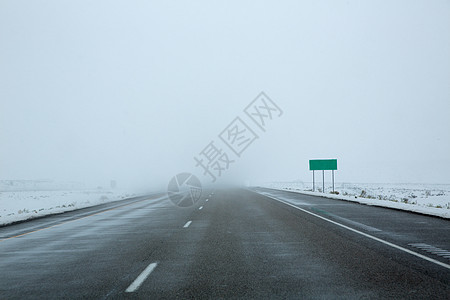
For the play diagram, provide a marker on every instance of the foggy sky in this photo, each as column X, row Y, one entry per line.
column 133, row 90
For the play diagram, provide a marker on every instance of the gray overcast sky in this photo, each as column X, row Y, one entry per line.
column 133, row 90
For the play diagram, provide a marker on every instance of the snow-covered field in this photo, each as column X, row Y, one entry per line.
column 26, row 200
column 432, row 199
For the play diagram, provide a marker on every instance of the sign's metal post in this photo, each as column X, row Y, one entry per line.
column 313, row 181
column 323, row 181
column 332, row 175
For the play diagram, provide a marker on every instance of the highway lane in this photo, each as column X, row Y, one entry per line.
column 84, row 253
column 400, row 227
column 240, row 244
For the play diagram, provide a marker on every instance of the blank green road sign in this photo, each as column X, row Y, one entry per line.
column 323, row 164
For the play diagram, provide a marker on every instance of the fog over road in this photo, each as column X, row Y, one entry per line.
column 241, row 243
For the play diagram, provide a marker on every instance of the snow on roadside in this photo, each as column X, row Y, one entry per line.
column 430, row 199
column 19, row 205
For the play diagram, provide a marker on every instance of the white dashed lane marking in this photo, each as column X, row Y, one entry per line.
column 187, row 224
column 141, row 278
column 200, row 208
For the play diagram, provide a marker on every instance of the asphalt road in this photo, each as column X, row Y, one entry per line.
column 234, row 244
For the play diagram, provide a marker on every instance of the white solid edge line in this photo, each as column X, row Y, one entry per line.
column 187, row 224
column 365, row 234
column 141, row 278
column 200, row 207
